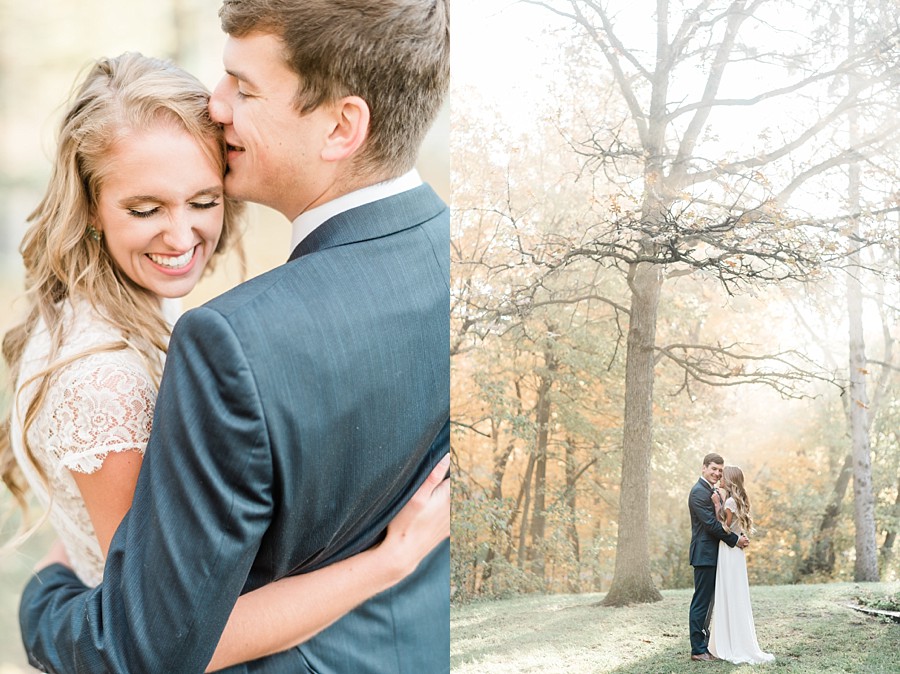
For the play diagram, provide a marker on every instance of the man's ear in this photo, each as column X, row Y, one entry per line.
column 350, row 128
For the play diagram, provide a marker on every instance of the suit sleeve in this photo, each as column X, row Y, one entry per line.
column 181, row 556
column 702, row 507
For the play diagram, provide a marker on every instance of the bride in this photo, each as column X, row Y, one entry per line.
column 732, row 632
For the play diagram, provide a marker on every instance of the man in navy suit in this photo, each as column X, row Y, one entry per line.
column 301, row 410
column 706, row 532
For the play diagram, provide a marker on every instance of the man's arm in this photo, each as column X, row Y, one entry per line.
column 701, row 505
column 179, row 560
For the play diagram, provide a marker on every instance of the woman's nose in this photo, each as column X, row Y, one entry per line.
column 179, row 235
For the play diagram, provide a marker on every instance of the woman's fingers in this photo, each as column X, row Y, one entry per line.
column 438, row 473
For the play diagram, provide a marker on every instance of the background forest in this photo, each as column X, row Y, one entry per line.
column 678, row 234
column 44, row 47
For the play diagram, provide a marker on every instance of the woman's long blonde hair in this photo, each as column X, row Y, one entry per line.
column 733, row 483
column 62, row 261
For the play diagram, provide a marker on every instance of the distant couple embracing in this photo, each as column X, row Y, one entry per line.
column 721, row 618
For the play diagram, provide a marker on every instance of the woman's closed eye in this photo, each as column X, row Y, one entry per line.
column 143, row 213
column 203, row 205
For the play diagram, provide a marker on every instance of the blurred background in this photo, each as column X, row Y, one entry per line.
column 45, row 46
column 659, row 256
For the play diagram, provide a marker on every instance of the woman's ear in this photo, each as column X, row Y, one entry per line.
column 350, row 128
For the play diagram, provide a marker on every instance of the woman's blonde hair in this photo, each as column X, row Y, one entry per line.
column 63, row 261
column 733, row 483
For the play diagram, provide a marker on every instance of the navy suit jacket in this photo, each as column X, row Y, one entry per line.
column 297, row 414
column 706, row 530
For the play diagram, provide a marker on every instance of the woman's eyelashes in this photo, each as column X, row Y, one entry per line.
column 205, row 204
column 138, row 213
column 148, row 212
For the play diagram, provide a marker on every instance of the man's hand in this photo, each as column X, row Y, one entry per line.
column 743, row 542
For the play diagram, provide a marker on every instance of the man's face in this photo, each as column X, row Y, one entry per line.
column 712, row 472
column 274, row 151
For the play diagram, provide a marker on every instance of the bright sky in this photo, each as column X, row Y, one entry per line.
column 499, row 48
column 506, row 50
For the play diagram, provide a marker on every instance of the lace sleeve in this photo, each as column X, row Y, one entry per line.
column 731, row 504
column 104, row 404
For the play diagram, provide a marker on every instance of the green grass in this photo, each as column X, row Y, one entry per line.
column 807, row 627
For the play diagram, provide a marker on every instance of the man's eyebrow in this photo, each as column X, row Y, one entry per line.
column 238, row 75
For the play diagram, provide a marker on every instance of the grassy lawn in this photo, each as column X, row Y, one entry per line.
column 807, row 627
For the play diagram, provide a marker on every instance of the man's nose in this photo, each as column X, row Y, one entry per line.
column 219, row 109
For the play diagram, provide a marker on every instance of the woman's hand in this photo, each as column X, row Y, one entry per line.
column 421, row 524
column 716, row 499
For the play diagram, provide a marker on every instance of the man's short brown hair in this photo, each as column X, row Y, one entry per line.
column 712, row 458
column 394, row 54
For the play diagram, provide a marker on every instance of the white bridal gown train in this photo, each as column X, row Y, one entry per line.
column 732, row 634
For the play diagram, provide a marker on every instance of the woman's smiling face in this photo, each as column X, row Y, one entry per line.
column 160, row 208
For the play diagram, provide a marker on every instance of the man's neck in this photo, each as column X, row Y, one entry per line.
column 311, row 218
column 346, row 183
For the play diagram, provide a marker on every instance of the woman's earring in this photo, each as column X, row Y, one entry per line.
column 94, row 233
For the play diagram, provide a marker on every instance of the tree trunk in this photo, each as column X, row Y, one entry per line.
column 501, row 458
column 631, row 582
column 866, row 566
column 571, row 497
column 539, row 514
column 887, row 549
column 571, row 510
column 523, row 527
column 821, row 556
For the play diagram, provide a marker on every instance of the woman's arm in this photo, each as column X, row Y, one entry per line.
column 107, row 493
column 700, row 504
column 285, row 613
column 717, row 503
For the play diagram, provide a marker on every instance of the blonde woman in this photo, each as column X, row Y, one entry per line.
column 134, row 214
column 732, row 631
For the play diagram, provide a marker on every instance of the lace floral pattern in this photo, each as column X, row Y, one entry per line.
column 97, row 404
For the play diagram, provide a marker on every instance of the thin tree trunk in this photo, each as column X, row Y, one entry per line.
column 571, row 509
column 501, row 458
column 821, row 556
column 523, row 527
column 539, row 515
column 887, row 548
column 866, row 566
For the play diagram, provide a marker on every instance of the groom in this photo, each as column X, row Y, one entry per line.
column 706, row 532
column 300, row 411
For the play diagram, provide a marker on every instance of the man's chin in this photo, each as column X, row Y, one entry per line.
column 234, row 189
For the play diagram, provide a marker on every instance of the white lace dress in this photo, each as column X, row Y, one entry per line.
column 97, row 404
column 732, row 635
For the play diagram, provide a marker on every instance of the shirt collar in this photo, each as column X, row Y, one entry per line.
column 306, row 222
column 706, row 482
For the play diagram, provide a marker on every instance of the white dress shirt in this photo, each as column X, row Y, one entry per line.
column 306, row 222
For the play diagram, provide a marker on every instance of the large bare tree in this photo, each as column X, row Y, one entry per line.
column 691, row 205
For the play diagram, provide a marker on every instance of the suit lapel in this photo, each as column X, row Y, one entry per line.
column 373, row 220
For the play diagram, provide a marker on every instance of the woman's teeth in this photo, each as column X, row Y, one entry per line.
column 172, row 262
